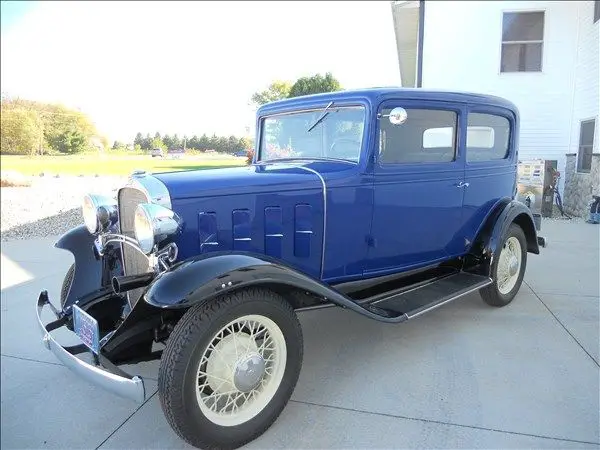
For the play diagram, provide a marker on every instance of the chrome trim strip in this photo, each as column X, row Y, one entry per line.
column 462, row 294
column 132, row 388
column 308, row 169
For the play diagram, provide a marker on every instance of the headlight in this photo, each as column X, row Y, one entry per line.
column 153, row 224
column 99, row 213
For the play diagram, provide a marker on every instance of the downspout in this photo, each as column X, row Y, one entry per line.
column 573, row 93
column 420, row 43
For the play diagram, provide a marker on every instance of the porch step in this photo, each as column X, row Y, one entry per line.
column 414, row 302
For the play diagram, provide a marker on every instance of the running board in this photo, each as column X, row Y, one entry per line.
column 411, row 303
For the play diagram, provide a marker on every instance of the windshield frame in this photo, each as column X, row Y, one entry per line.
column 336, row 106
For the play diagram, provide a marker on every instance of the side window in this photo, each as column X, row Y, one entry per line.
column 427, row 136
column 487, row 137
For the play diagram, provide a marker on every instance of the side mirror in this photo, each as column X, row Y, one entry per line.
column 397, row 116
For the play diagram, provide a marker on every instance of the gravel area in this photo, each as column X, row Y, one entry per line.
column 50, row 206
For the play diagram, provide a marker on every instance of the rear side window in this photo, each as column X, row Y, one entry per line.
column 487, row 137
column 427, row 136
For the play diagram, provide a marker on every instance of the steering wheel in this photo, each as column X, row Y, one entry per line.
column 345, row 148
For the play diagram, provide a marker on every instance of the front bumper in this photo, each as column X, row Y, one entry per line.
column 109, row 377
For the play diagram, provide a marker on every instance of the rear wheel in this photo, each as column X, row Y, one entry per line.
column 508, row 268
column 230, row 367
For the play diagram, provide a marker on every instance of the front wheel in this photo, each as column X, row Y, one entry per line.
column 230, row 367
column 508, row 268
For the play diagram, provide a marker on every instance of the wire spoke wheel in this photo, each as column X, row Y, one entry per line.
column 241, row 370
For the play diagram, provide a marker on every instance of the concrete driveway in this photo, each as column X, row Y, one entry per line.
column 465, row 375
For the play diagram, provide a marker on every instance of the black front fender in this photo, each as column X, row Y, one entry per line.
column 88, row 268
column 202, row 278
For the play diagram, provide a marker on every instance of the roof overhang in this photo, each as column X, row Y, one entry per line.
column 406, row 29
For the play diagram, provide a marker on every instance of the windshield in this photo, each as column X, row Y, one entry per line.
column 338, row 135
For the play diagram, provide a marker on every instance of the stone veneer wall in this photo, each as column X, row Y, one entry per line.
column 579, row 187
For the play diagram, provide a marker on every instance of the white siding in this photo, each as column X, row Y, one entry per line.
column 587, row 75
column 462, row 52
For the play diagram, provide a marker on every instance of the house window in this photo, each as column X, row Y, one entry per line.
column 522, row 41
column 586, row 145
column 487, row 137
column 427, row 136
column 596, row 11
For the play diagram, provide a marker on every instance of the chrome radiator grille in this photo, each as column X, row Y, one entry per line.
column 134, row 262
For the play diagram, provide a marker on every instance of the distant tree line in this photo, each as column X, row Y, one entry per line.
column 220, row 144
column 29, row 128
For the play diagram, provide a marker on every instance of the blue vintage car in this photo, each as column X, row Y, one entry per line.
column 385, row 202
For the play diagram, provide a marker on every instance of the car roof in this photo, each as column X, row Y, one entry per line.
column 378, row 94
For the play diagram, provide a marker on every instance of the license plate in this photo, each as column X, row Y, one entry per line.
column 86, row 327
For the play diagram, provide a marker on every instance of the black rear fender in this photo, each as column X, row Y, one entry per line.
column 505, row 213
column 513, row 212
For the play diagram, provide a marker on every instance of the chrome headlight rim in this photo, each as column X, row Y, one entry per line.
column 153, row 225
column 143, row 230
column 99, row 212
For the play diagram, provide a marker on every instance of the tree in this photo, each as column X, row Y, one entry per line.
column 277, row 90
column 232, row 145
column 176, row 141
column 158, row 143
column 139, row 139
column 21, row 131
column 244, row 144
column 314, row 85
column 147, row 142
column 204, row 142
column 71, row 142
column 221, row 144
column 168, row 141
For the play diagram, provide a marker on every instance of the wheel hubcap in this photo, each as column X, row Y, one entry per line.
column 249, row 372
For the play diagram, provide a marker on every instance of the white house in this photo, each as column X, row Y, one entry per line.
column 541, row 55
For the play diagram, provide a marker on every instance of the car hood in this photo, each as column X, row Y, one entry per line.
column 278, row 177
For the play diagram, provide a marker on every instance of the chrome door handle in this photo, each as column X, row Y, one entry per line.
column 462, row 184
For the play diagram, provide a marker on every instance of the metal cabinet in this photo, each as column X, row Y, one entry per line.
column 534, row 185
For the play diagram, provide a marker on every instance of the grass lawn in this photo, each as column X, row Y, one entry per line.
column 111, row 164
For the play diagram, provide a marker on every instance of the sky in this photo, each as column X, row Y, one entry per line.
column 186, row 67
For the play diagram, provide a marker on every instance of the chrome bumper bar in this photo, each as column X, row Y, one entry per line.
column 122, row 384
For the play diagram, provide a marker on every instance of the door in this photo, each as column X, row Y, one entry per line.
column 490, row 164
column 418, row 187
